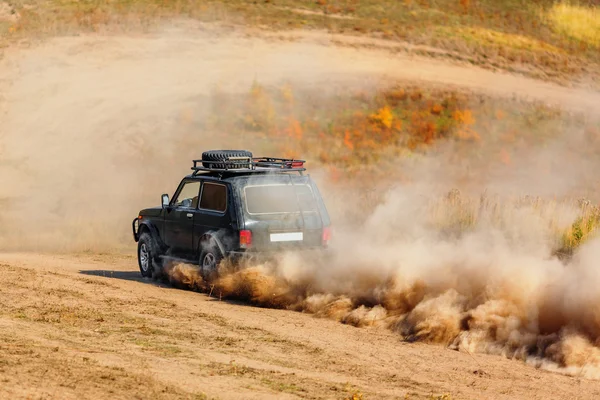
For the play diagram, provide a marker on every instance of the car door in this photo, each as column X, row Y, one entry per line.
column 179, row 219
column 214, row 212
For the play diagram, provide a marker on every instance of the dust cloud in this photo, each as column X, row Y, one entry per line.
column 96, row 128
column 484, row 291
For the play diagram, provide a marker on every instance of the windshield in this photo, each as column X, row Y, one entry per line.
column 279, row 198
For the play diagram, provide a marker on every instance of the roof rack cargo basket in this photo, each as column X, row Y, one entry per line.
column 244, row 165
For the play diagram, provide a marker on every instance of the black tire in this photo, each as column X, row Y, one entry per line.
column 210, row 159
column 210, row 258
column 148, row 257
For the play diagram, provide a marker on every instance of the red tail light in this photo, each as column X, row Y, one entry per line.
column 245, row 239
column 326, row 234
column 297, row 164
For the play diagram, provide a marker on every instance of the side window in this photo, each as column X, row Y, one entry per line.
column 188, row 197
column 214, row 197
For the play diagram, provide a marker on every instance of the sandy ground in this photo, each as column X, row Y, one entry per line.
column 89, row 327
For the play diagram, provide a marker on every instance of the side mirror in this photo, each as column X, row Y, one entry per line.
column 165, row 200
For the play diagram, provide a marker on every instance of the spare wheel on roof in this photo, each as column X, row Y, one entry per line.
column 211, row 158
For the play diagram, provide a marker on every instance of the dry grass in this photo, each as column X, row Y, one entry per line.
column 454, row 215
column 506, row 34
column 576, row 22
column 582, row 230
column 565, row 223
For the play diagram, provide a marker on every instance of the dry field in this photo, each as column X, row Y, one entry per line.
column 85, row 327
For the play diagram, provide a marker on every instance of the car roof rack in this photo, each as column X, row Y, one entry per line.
column 245, row 165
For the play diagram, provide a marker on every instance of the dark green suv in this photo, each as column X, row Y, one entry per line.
column 233, row 205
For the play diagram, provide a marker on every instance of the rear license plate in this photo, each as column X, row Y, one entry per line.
column 287, row 237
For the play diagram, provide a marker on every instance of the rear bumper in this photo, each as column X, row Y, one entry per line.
column 315, row 253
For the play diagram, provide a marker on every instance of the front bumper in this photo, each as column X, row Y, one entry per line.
column 135, row 226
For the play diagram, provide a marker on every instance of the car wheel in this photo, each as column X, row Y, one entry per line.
column 146, row 255
column 210, row 258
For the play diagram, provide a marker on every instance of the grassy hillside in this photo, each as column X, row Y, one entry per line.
column 542, row 38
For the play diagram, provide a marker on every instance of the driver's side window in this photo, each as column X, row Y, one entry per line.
column 188, row 196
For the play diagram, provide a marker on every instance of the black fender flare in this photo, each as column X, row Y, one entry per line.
column 211, row 237
column 148, row 225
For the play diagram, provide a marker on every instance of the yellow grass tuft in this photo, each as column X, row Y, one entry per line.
column 578, row 22
column 497, row 39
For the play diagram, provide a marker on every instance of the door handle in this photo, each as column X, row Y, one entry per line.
column 189, row 215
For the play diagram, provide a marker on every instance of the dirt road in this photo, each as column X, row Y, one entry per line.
column 204, row 54
column 88, row 327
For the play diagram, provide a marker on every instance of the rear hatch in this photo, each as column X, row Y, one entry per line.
column 283, row 213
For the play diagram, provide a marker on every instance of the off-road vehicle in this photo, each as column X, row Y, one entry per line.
column 233, row 205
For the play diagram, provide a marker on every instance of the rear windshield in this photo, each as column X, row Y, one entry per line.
column 275, row 199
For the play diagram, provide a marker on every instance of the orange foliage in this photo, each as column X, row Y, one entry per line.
column 348, row 140
column 395, row 96
column 423, row 131
column 384, row 117
column 465, row 5
column 333, row 9
column 428, row 132
column 294, row 129
column 403, row 116
column 437, row 109
column 416, row 95
column 464, row 117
